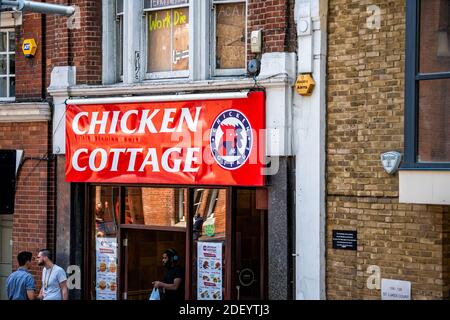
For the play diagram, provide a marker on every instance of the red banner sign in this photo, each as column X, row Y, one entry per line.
column 200, row 142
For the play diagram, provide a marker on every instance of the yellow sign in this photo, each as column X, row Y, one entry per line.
column 29, row 47
column 305, row 85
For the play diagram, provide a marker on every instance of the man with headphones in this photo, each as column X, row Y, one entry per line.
column 172, row 287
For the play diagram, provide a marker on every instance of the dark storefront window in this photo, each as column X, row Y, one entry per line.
column 250, row 247
column 105, row 206
column 427, row 118
column 155, row 206
column 209, row 226
column 219, row 235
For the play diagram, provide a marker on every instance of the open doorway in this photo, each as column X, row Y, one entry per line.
column 6, row 222
column 143, row 259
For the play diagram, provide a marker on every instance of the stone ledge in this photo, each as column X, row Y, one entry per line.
column 25, row 112
column 172, row 86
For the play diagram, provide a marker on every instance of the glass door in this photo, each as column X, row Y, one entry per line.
column 210, row 243
column 142, row 256
column 250, row 252
column 154, row 221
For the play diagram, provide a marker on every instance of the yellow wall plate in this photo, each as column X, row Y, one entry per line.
column 305, row 84
column 29, row 47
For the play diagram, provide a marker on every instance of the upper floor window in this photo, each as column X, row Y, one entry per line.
column 166, row 39
column 167, row 35
column 427, row 117
column 7, row 64
column 229, row 37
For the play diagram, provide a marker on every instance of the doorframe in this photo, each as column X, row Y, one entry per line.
column 9, row 223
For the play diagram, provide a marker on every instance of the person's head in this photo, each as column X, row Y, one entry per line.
column 170, row 258
column 24, row 259
column 44, row 257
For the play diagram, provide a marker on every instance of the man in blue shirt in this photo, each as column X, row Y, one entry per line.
column 20, row 284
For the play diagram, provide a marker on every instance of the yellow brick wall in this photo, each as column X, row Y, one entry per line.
column 365, row 117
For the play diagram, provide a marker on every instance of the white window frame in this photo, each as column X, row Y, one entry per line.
column 202, row 54
column 119, row 37
column 216, row 72
column 144, row 46
column 8, row 76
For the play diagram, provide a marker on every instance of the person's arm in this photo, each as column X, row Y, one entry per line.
column 64, row 290
column 62, row 280
column 31, row 295
column 172, row 287
column 40, row 296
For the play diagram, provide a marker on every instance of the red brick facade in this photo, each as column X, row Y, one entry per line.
column 61, row 46
column 276, row 20
column 34, row 217
column 33, row 224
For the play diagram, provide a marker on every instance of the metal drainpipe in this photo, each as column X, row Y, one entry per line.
column 39, row 7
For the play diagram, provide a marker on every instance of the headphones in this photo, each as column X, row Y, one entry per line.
column 174, row 254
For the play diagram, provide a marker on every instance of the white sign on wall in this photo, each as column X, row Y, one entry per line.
column 395, row 289
column 106, row 273
column 209, row 271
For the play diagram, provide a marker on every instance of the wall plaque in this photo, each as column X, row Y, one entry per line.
column 343, row 239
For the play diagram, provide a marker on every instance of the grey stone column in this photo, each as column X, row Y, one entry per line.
column 280, row 224
column 62, row 223
column 69, row 224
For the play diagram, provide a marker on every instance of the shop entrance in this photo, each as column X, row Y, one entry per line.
column 142, row 259
column 218, row 233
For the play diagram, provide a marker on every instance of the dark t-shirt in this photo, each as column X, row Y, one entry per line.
column 169, row 278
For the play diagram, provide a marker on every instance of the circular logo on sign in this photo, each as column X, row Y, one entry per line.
column 231, row 139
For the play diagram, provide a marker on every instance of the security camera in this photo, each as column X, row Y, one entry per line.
column 253, row 67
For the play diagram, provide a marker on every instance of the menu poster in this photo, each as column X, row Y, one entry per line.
column 209, row 271
column 106, row 267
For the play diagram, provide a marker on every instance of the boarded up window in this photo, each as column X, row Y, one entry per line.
column 230, row 35
column 168, row 40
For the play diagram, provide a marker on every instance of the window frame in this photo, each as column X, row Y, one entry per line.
column 8, row 76
column 217, row 72
column 119, row 43
column 413, row 76
column 165, row 74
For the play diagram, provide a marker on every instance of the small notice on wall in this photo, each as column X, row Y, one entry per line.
column 346, row 240
column 209, row 271
column 395, row 289
column 106, row 264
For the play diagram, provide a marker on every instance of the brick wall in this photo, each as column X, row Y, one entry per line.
column 276, row 20
column 365, row 119
column 29, row 71
column 34, row 203
column 61, row 46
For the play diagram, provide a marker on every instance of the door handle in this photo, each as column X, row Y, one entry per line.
column 238, row 288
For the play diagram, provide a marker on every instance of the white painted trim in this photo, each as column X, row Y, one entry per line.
column 132, row 41
column 180, row 97
column 109, row 43
column 199, row 42
column 25, row 112
column 10, row 19
column 166, row 74
column 309, row 124
column 170, row 86
column 424, row 187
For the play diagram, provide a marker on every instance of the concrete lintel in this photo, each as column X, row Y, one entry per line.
column 25, row 112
